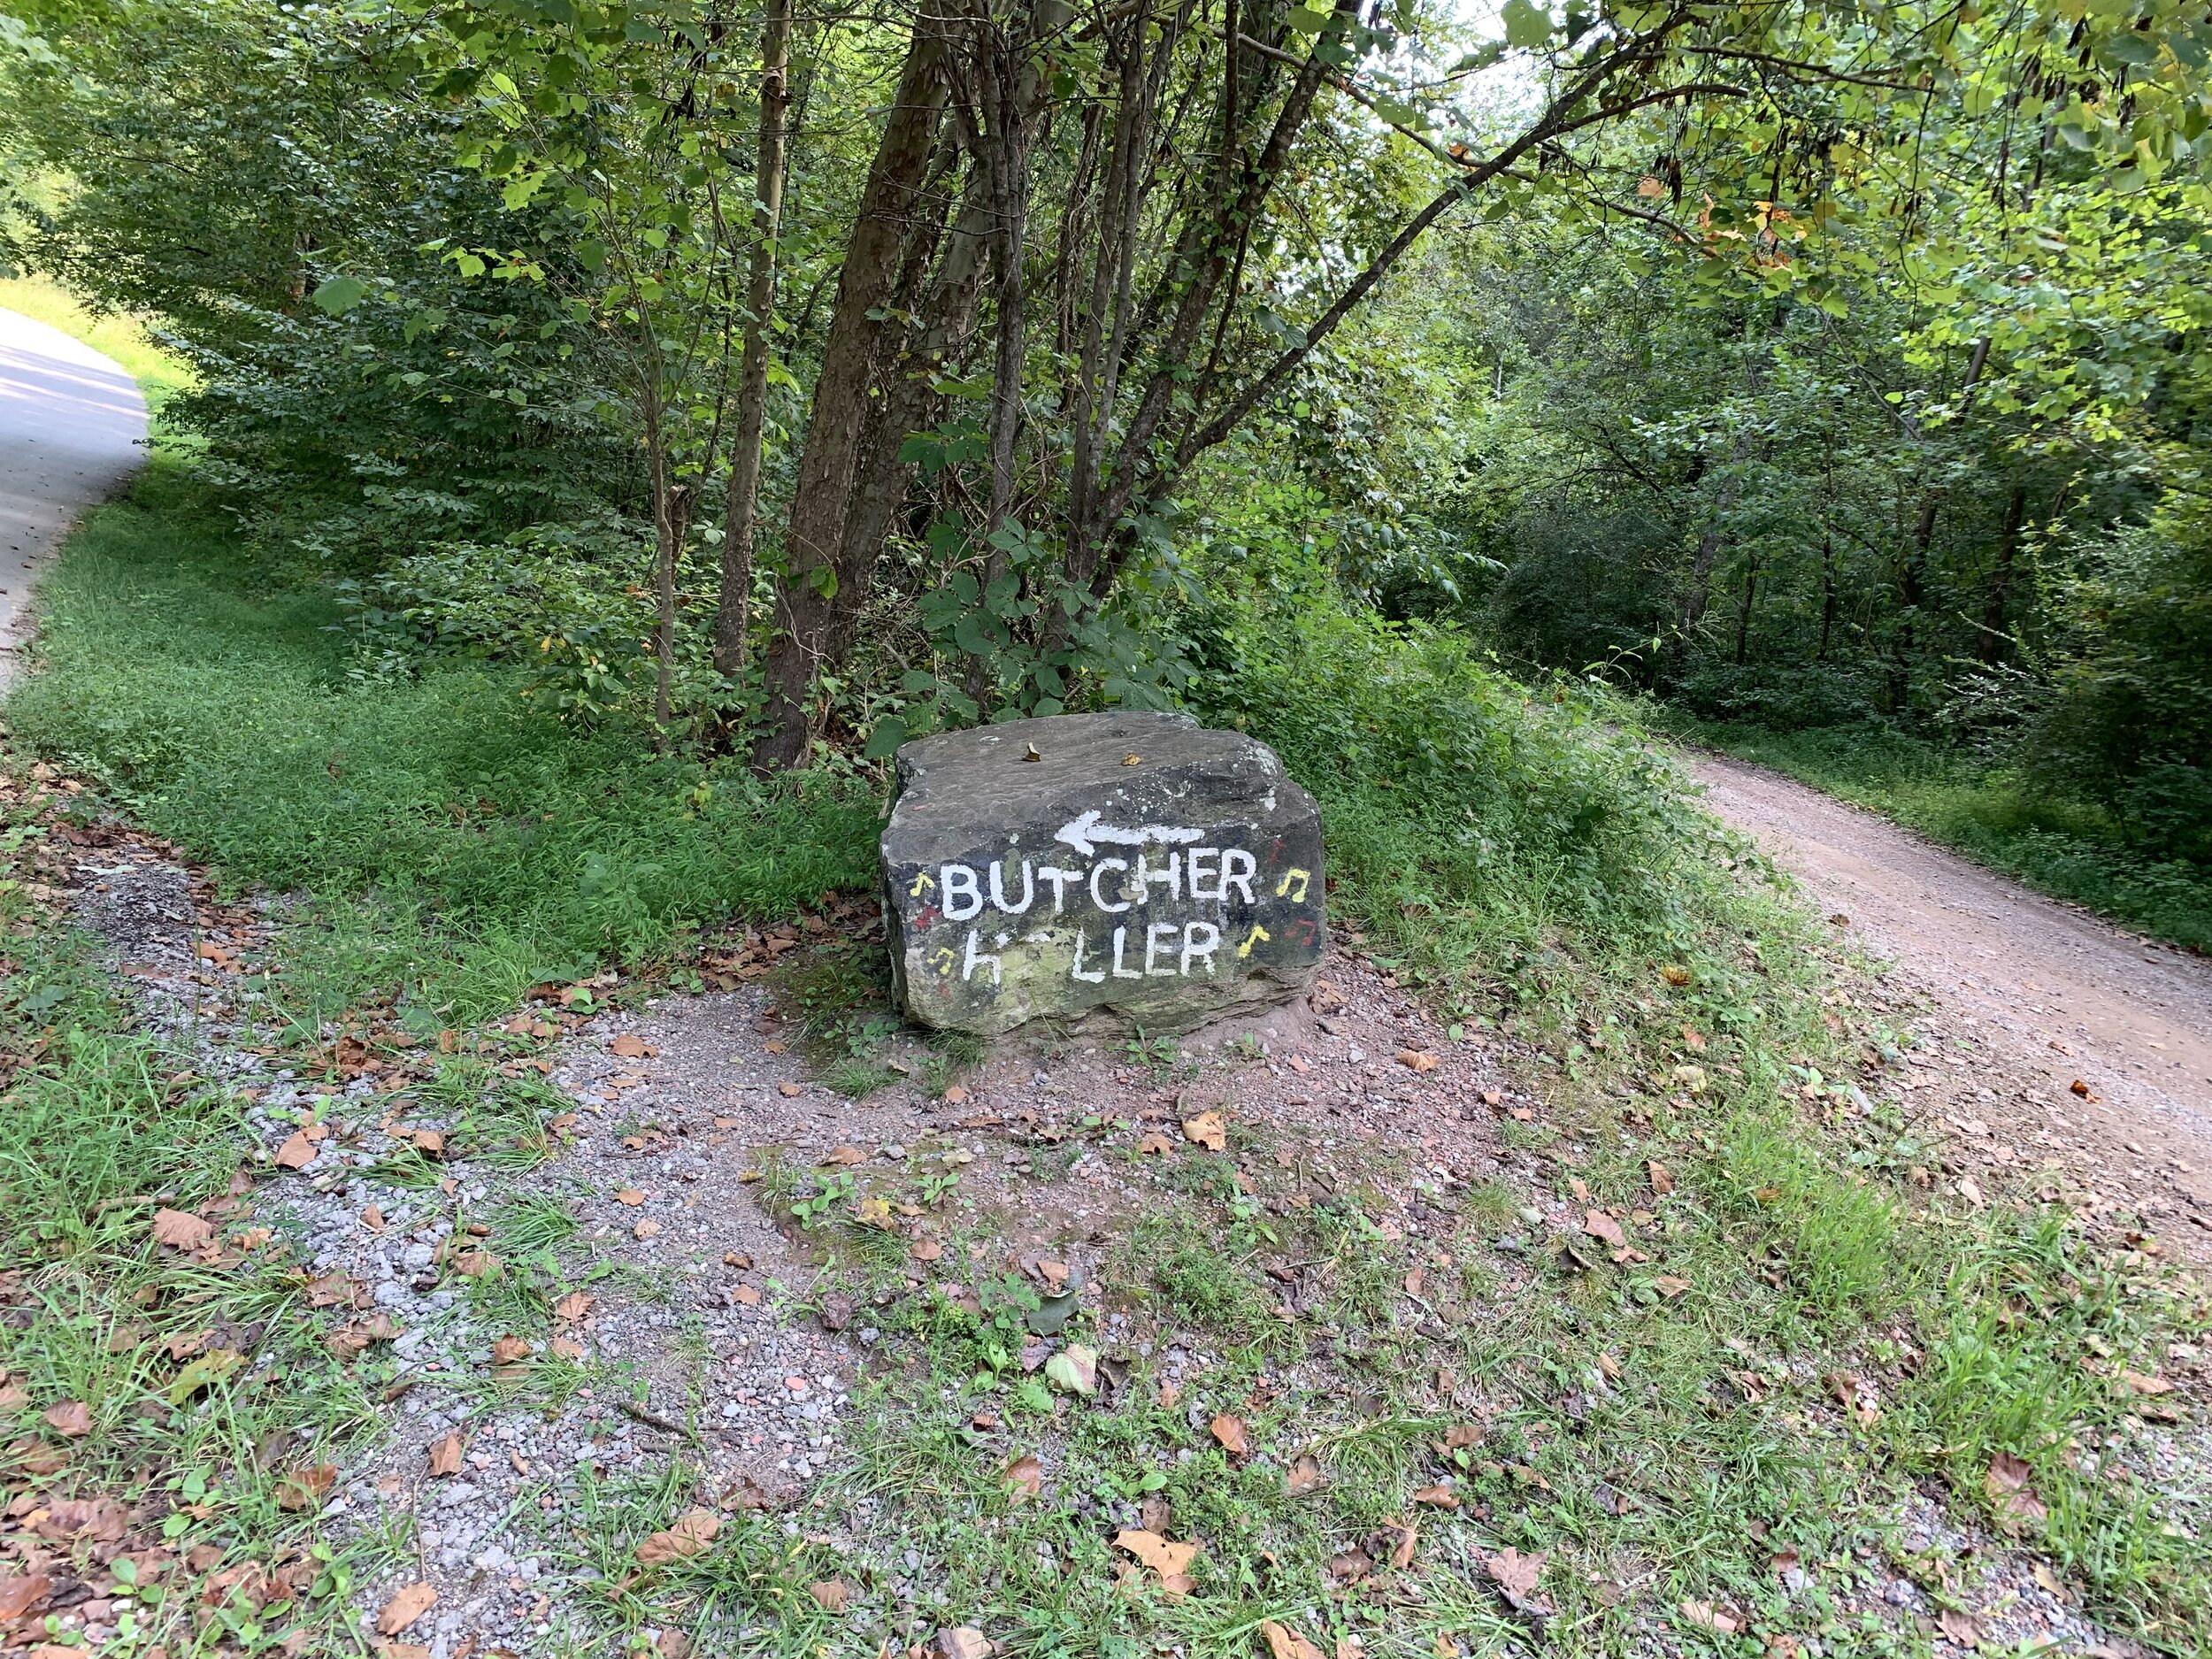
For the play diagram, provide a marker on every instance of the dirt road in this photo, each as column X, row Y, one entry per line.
column 2031, row 997
column 70, row 425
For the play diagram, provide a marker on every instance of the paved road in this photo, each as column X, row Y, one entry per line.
column 2050, row 994
column 70, row 422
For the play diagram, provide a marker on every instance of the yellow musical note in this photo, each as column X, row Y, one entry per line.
column 1258, row 934
column 1303, row 877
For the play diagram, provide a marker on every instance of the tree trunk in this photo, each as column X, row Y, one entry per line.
column 732, row 613
column 862, row 334
column 1994, row 639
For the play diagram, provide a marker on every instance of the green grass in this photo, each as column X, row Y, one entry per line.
column 2069, row 850
column 159, row 374
column 99, row 1126
column 457, row 842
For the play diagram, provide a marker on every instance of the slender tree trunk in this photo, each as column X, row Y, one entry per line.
column 670, row 524
column 1743, row 611
column 1912, row 579
column 734, row 612
column 1995, row 639
column 1827, row 596
column 862, row 334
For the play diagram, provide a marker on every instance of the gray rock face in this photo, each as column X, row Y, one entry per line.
column 1135, row 865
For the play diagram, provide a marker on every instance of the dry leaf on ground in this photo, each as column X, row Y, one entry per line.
column 1305, row 1477
column 445, row 1455
column 846, row 1157
column 629, row 1047
column 181, row 1230
column 2005, row 1483
column 789, row 1091
column 303, row 1488
column 1229, row 1429
column 1598, row 1225
column 1025, row 1477
column 1414, row 1060
column 1285, row 1643
column 1438, row 1497
column 70, row 1418
column 1171, row 1561
column 1960, row 1627
column 1207, row 1129
column 831, row 1595
column 689, row 1536
column 1515, row 1571
column 405, row 1607
column 572, row 1307
column 297, row 1153
column 1662, row 1177
column 1408, row 1536
column 963, row 1642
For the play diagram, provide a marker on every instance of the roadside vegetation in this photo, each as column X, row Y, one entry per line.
column 2065, row 846
column 602, row 435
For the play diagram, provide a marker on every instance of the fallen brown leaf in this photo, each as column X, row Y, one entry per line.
column 629, row 1195
column 1408, row 1536
column 1285, row 1643
column 181, row 1230
column 2006, row 1484
column 1517, row 1575
column 2146, row 1385
column 1438, row 1497
column 648, row 1228
column 689, row 1536
column 629, row 1047
column 789, row 1091
column 1207, row 1129
column 1229, row 1429
column 831, row 1595
column 1960, row 1627
column 1661, row 1177
column 1305, row 1477
column 303, row 1488
column 572, row 1307
column 963, row 1642
column 405, row 1607
column 70, row 1418
column 297, row 1153
column 1598, row 1225
column 507, row 1351
column 1414, row 1060
column 20, row 1594
column 1171, row 1561
column 846, row 1157
column 1025, row 1477
column 445, row 1455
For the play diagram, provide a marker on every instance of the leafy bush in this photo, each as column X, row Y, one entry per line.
column 1471, row 818
column 2129, row 718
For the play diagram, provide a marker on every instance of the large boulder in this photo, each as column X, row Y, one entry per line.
column 1134, row 865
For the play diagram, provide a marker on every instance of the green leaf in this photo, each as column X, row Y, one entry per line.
column 339, row 295
column 1075, row 1371
column 1526, row 26
column 885, row 740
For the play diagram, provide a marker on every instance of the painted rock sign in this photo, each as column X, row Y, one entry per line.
column 1134, row 864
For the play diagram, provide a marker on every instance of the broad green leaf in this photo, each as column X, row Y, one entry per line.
column 339, row 295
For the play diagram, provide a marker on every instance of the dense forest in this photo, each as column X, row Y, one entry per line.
column 795, row 381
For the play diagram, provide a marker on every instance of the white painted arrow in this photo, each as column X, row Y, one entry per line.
column 1084, row 833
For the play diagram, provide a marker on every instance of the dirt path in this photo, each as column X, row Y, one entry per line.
column 2041, row 993
column 70, row 425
